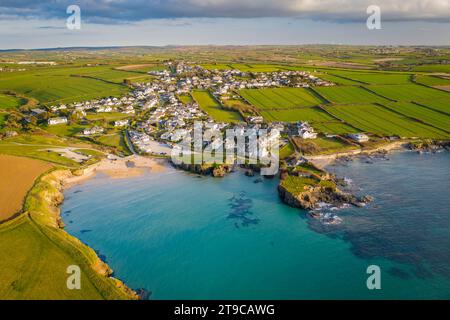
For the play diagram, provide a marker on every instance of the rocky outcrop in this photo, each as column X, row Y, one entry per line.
column 312, row 196
column 428, row 146
column 324, row 191
column 215, row 170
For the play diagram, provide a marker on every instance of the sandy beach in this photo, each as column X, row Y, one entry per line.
column 119, row 168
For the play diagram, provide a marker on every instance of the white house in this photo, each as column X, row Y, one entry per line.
column 93, row 130
column 359, row 137
column 55, row 121
column 121, row 123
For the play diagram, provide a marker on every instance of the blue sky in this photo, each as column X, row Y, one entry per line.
column 42, row 24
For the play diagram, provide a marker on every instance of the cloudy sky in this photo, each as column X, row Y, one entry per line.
column 42, row 24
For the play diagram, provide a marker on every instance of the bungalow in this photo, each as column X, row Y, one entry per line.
column 359, row 137
column 55, row 121
column 93, row 130
column 121, row 123
column 37, row 112
column 255, row 119
column 103, row 109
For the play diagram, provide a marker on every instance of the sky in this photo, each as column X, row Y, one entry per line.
column 27, row 24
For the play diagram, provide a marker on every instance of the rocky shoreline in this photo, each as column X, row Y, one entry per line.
column 214, row 170
column 428, row 146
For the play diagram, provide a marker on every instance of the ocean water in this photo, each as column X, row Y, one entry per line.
column 181, row 236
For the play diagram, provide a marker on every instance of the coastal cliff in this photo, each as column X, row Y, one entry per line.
column 43, row 207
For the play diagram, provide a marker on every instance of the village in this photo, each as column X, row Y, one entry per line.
column 153, row 117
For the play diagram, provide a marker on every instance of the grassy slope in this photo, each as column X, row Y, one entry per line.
column 39, row 254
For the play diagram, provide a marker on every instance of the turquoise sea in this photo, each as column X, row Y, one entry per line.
column 181, row 236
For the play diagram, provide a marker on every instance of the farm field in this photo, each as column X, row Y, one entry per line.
column 9, row 102
column 311, row 114
column 410, row 92
column 348, row 95
column 442, row 105
column 432, row 81
column 60, row 85
column 379, row 120
column 337, row 80
column 18, row 175
column 257, row 67
column 280, row 98
column 433, row 68
column 426, row 115
column 209, row 104
column 143, row 68
column 375, row 78
column 333, row 127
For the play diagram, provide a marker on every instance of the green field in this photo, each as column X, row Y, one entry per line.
column 348, row 95
column 185, row 98
column 336, row 79
column 257, row 67
column 333, row 127
column 115, row 140
column 322, row 145
column 379, row 120
column 311, row 114
column 433, row 68
column 442, row 105
column 210, row 105
column 9, row 102
column 280, row 98
column 423, row 114
column 65, row 130
column 432, row 81
column 107, row 116
column 63, row 85
column 410, row 92
column 375, row 78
